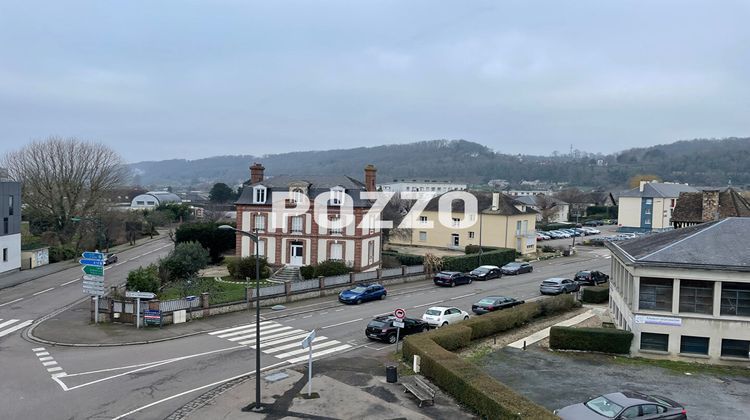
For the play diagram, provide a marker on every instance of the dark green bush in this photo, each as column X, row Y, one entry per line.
column 59, row 253
column 598, row 294
column 474, row 249
column 498, row 257
column 499, row 321
column 185, row 260
column 548, row 248
column 215, row 240
column 606, row 340
column 307, row 272
column 244, row 268
column 331, row 268
column 405, row 259
column 144, row 279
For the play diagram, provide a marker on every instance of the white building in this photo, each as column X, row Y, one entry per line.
column 685, row 293
column 153, row 199
column 556, row 210
column 521, row 193
column 649, row 206
column 438, row 187
column 10, row 231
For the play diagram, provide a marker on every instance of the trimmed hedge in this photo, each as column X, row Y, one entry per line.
column 468, row 383
column 474, row 249
column 324, row 269
column 605, row 340
column 405, row 259
column 598, row 294
column 464, row 263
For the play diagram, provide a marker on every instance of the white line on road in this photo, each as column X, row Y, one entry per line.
column 68, row 282
column 194, row 390
column 12, row 301
column 43, row 291
column 341, row 323
column 38, row 349
column 52, row 363
column 323, row 313
column 8, row 322
column 54, row 369
column 463, row 296
column 44, row 353
column 46, row 358
column 427, row 304
column 337, row 310
column 307, row 316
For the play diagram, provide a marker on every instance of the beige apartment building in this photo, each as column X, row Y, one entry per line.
column 500, row 221
column 685, row 294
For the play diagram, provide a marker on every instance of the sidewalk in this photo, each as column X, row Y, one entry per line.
column 23, row 276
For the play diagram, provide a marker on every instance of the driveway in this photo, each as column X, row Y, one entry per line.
column 555, row 380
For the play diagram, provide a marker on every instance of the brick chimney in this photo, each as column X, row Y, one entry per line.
column 370, row 178
column 256, row 173
column 710, row 209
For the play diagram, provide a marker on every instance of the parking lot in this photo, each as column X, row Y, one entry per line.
column 606, row 230
column 556, row 380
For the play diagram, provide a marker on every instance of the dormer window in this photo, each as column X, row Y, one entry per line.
column 337, row 196
column 259, row 195
column 296, row 195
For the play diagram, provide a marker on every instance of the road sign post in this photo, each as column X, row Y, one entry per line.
column 307, row 343
column 138, row 296
column 400, row 315
column 93, row 278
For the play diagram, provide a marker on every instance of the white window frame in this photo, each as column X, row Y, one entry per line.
column 471, row 235
column 298, row 224
column 336, row 228
column 423, row 220
column 456, row 222
column 259, row 195
column 337, row 196
column 455, row 239
column 422, row 236
column 260, row 222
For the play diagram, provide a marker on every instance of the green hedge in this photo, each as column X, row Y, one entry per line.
column 324, row 269
column 464, row 263
column 405, row 259
column 474, row 249
column 605, row 340
column 598, row 294
column 468, row 383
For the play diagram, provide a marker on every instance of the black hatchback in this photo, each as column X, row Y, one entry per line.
column 451, row 278
column 382, row 328
column 590, row 277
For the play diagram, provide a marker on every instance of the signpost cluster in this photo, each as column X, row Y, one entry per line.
column 150, row 317
column 93, row 277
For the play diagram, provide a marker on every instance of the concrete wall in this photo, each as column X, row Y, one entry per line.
column 11, row 243
column 629, row 212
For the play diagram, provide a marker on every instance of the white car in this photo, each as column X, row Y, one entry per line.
column 591, row 231
column 437, row 316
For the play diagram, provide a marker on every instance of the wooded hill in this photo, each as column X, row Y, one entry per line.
column 698, row 162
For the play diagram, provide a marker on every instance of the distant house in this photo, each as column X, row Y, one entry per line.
column 10, row 231
column 298, row 239
column 707, row 206
column 649, row 207
column 501, row 221
column 556, row 211
column 685, row 294
column 437, row 187
column 521, row 193
column 153, row 199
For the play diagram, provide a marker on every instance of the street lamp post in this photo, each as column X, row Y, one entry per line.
column 254, row 238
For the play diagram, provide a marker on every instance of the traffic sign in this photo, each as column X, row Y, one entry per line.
column 93, row 270
column 308, row 340
column 152, row 317
column 90, row 278
column 93, row 255
column 98, row 263
column 400, row 313
column 398, row 324
column 140, row 295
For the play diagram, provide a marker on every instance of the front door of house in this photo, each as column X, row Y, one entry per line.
column 296, row 257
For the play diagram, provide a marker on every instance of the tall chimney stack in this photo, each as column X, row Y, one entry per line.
column 256, row 173
column 370, row 178
column 710, row 207
column 495, row 200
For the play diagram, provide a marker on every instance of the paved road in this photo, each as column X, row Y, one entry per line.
column 151, row 381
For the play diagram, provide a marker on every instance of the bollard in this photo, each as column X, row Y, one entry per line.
column 524, row 344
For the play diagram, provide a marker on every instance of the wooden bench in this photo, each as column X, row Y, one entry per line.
column 421, row 390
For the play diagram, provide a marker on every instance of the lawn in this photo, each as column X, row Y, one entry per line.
column 219, row 291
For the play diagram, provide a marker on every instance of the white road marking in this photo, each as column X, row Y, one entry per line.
column 252, row 339
column 9, row 322
column 293, row 345
column 12, row 301
column 337, row 310
column 307, row 316
column 341, row 323
column 300, row 351
column 463, row 296
column 279, row 341
column 44, row 359
column 43, row 291
column 323, row 313
column 241, row 327
column 68, row 282
column 52, row 363
column 16, row 328
column 320, row 353
column 38, row 349
column 42, row 354
column 54, row 369
column 267, row 331
column 427, row 304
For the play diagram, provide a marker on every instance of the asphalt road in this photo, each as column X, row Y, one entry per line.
column 151, row 381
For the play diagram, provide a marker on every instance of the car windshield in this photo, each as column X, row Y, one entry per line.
column 512, row 265
column 582, row 274
column 358, row 290
column 377, row 324
column 551, row 282
column 433, row 312
column 486, row 301
column 603, row 406
column 481, row 270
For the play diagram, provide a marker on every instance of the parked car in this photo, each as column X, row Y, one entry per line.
column 591, row 231
column 542, row 237
column 556, row 286
column 438, row 316
column 486, row 272
column 363, row 293
column 381, row 328
column 110, row 258
column 451, row 278
column 557, row 234
column 572, row 232
column 590, row 277
column 594, row 223
column 624, row 405
column 517, row 268
column 494, row 303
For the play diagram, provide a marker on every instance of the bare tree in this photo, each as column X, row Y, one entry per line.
column 65, row 178
column 547, row 207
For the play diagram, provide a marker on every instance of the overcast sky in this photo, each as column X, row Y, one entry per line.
column 191, row 79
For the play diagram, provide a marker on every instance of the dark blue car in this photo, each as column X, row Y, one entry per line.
column 363, row 293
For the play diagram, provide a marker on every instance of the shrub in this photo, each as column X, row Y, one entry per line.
column 606, row 340
column 474, row 249
column 557, row 304
column 548, row 248
column 185, row 260
column 59, row 253
column 331, row 268
column 498, row 257
column 244, row 268
column 405, row 259
column 307, row 272
column 144, row 279
column 598, row 294
column 499, row 321
column 215, row 240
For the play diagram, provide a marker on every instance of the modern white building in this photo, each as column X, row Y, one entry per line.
column 438, row 187
column 649, row 207
column 153, row 199
column 10, row 231
column 685, row 293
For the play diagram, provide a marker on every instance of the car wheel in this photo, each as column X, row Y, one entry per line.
column 453, row 284
column 392, row 339
column 470, row 280
column 466, row 317
column 382, row 296
column 444, row 324
column 359, row 301
column 425, row 329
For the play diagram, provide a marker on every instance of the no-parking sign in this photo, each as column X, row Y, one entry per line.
column 400, row 313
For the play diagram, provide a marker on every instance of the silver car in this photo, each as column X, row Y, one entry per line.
column 556, row 286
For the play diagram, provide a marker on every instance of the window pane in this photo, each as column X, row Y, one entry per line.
column 735, row 348
column 697, row 296
column 653, row 341
column 696, row 345
column 655, row 294
column 735, row 299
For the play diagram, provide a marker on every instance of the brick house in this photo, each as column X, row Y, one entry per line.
column 292, row 236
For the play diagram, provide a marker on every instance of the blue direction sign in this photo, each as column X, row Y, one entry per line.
column 93, row 255
column 98, row 263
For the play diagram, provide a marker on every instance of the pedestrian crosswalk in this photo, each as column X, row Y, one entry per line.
column 282, row 342
column 11, row 325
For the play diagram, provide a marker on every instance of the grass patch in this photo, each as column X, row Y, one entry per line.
column 479, row 353
column 219, row 292
column 682, row 367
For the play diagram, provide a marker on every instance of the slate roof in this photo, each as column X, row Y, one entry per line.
column 721, row 245
column 506, row 205
column 530, row 200
column 658, row 190
column 316, row 184
column 689, row 206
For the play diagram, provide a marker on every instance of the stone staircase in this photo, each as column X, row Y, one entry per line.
column 287, row 273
